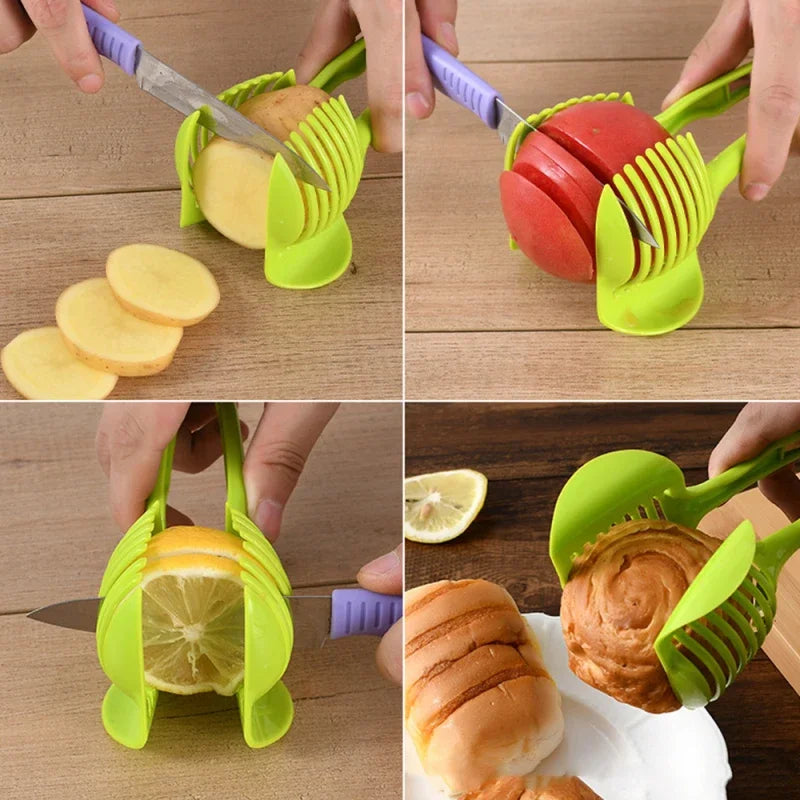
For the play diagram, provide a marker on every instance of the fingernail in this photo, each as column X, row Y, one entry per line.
column 447, row 37
column 383, row 565
column 418, row 105
column 267, row 517
column 90, row 83
column 756, row 191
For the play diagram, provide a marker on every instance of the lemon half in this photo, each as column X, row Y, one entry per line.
column 193, row 612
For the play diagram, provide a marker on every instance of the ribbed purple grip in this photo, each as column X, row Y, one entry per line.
column 460, row 83
column 356, row 612
column 112, row 42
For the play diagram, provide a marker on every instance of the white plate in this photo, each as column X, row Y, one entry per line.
column 620, row 751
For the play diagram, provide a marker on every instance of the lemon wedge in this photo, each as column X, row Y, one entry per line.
column 441, row 505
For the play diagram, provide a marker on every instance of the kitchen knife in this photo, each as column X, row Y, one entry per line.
column 344, row 612
column 455, row 80
column 155, row 77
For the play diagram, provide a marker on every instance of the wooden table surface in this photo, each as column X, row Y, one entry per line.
column 484, row 323
column 55, row 537
column 528, row 452
column 81, row 175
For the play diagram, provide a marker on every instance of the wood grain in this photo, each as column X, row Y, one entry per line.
column 57, row 141
column 518, row 31
column 338, row 342
column 527, row 452
column 55, row 537
column 467, row 292
column 57, row 523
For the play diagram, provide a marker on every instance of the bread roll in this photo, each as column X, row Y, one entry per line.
column 535, row 788
column 619, row 594
column 479, row 702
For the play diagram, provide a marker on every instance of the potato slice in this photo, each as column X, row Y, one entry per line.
column 231, row 179
column 102, row 334
column 230, row 183
column 40, row 366
column 161, row 285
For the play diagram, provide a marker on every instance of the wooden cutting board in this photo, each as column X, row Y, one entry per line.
column 783, row 643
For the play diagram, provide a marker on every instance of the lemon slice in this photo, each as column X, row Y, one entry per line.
column 194, row 539
column 441, row 505
column 193, row 624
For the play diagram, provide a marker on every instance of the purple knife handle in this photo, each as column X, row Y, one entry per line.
column 460, row 83
column 356, row 612
column 112, row 42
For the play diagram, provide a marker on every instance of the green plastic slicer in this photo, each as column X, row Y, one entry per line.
column 265, row 705
column 642, row 290
column 308, row 242
column 727, row 611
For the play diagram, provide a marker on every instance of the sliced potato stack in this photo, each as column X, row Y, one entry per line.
column 129, row 323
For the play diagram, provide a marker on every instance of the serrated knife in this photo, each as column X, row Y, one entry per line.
column 161, row 81
column 457, row 81
column 316, row 618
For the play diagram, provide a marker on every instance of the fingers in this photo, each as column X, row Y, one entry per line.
column 774, row 108
column 757, row 426
column 724, row 45
column 62, row 23
column 435, row 18
column 783, row 489
column 333, row 29
column 389, row 655
column 381, row 23
column 276, row 457
column 15, row 26
column 384, row 574
column 130, row 440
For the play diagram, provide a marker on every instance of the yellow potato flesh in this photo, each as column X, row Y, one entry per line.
column 230, row 183
column 102, row 334
column 39, row 365
column 161, row 285
column 231, row 180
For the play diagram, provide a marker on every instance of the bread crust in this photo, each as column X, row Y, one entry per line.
column 478, row 702
column 620, row 592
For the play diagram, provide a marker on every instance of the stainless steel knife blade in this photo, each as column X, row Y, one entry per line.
column 311, row 617
column 183, row 95
column 81, row 615
column 507, row 121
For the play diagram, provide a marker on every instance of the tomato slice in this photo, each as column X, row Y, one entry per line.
column 543, row 231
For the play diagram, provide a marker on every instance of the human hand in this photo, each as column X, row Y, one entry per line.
column 772, row 27
column 131, row 438
column 436, row 19
column 385, row 575
column 63, row 26
column 758, row 426
column 336, row 26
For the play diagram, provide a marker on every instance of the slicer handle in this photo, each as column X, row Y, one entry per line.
column 460, row 83
column 358, row 612
column 233, row 453
column 726, row 166
column 157, row 501
column 112, row 42
column 716, row 491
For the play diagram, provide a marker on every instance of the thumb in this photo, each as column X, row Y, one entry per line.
column 384, row 574
column 276, row 457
